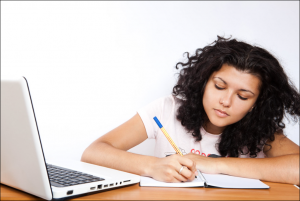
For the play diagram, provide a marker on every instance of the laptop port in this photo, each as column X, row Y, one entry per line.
column 100, row 186
column 106, row 185
column 92, row 188
column 116, row 183
column 111, row 184
column 126, row 181
column 70, row 192
column 120, row 183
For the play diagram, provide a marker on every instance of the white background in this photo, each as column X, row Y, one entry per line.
column 92, row 65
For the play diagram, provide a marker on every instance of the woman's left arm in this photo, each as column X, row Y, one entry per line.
column 280, row 165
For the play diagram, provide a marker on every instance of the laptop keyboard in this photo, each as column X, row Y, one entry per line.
column 62, row 177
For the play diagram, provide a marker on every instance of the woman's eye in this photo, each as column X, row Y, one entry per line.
column 220, row 88
column 242, row 97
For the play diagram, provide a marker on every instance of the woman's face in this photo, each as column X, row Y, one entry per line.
column 229, row 95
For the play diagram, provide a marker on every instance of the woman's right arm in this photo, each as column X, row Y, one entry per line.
column 110, row 150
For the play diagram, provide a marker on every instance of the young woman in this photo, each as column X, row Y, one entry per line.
column 229, row 101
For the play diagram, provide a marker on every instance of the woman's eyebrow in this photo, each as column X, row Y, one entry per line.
column 239, row 90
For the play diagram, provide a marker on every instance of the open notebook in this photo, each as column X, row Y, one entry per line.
column 212, row 180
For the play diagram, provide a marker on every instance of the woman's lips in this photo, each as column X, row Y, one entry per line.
column 221, row 113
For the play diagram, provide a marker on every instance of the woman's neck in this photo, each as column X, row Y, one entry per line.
column 212, row 129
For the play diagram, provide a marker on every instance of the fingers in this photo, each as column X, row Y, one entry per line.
column 186, row 174
column 176, row 177
column 189, row 170
column 172, row 176
column 167, row 169
column 180, row 178
column 190, row 164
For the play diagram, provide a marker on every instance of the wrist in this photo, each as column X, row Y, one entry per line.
column 221, row 165
column 149, row 166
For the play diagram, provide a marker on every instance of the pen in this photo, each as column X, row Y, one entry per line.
column 167, row 136
column 173, row 144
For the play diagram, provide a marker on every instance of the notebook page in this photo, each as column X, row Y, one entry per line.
column 226, row 181
column 147, row 181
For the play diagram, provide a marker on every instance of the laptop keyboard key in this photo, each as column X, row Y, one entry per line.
column 84, row 177
column 61, row 177
column 56, row 184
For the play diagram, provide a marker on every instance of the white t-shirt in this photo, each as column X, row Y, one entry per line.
column 165, row 109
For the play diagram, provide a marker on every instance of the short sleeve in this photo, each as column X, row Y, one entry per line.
column 147, row 113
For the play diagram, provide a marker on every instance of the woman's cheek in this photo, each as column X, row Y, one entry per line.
column 239, row 111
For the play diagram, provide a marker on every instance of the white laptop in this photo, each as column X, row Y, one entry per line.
column 23, row 164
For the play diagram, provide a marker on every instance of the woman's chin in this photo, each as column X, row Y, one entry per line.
column 219, row 123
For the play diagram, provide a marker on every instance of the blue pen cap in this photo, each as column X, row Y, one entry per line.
column 157, row 122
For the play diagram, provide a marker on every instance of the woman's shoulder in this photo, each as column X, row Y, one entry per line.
column 170, row 102
column 163, row 107
column 165, row 101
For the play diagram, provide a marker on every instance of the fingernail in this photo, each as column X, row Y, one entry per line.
column 196, row 172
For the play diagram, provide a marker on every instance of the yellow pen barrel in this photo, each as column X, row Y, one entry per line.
column 171, row 141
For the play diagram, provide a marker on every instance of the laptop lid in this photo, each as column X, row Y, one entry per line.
column 22, row 158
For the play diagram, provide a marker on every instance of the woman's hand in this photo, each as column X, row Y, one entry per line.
column 167, row 169
column 204, row 164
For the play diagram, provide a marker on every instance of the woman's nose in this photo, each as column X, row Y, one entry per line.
column 226, row 100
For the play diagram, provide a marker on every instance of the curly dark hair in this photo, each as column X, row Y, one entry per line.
column 278, row 95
